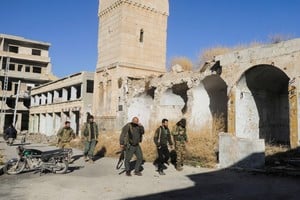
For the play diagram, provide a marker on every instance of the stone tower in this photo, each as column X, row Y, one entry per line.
column 131, row 43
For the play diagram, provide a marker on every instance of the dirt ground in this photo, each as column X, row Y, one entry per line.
column 102, row 181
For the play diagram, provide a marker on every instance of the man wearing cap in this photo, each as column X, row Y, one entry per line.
column 65, row 135
column 90, row 132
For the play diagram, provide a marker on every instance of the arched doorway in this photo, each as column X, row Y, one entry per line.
column 262, row 105
column 216, row 89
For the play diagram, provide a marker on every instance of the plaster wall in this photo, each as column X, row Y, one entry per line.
column 198, row 102
column 141, row 107
column 247, row 118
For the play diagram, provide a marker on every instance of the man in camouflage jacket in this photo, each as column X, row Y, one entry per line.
column 180, row 139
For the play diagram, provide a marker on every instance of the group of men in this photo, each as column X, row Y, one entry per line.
column 130, row 139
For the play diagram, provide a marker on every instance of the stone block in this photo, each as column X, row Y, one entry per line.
column 241, row 152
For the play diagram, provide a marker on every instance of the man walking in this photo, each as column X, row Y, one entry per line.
column 180, row 139
column 10, row 134
column 130, row 138
column 90, row 132
column 65, row 135
column 162, row 137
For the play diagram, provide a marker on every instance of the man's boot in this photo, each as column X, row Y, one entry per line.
column 161, row 172
column 128, row 173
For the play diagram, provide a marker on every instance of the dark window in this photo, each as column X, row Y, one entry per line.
column 29, row 90
column 90, row 86
column 13, row 49
column 37, row 70
column 12, row 67
column 20, row 68
column 141, row 35
column 120, row 107
column 9, row 86
column 36, row 52
column 27, row 68
column 16, row 89
column 4, row 63
column 68, row 93
column 78, row 91
column 59, row 93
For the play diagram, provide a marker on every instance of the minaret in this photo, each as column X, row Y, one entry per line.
column 132, row 39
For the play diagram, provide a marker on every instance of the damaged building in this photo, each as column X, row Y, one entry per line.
column 24, row 64
column 253, row 92
column 69, row 98
column 250, row 96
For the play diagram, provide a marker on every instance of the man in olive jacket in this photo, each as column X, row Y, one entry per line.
column 161, row 138
column 90, row 132
column 65, row 135
column 130, row 138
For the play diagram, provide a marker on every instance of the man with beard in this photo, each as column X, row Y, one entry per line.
column 130, row 138
column 180, row 139
column 162, row 137
column 65, row 135
column 90, row 133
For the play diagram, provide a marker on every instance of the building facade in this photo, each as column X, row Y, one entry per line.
column 24, row 64
column 52, row 104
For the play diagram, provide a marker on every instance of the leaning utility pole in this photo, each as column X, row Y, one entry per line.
column 16, row 104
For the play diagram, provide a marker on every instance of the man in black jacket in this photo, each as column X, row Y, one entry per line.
column 10, row 134
column 130, row 138
column 162, row 137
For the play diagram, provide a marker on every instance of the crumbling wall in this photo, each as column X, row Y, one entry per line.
column 199, row 114
column 173, row 95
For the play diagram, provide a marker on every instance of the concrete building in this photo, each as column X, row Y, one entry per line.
column 69, row 98
column 131, row 43
column 26, row 61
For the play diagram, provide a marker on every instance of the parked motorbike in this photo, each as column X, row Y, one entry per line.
column 55, row 161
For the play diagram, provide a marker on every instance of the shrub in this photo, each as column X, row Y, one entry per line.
column 276, row 38
column 184, row 62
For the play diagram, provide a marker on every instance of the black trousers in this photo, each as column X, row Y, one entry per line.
column 163, row 156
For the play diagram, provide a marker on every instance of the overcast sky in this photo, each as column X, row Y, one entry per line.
column 71, row 26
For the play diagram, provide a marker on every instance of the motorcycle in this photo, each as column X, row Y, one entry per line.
column 55, row 161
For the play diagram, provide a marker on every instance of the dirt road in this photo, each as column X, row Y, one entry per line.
column 102, row 181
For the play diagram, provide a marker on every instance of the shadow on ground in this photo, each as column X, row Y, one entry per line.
column 240, row 184
column 100, row 154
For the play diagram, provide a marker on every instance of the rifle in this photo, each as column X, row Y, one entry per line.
column 121, row 158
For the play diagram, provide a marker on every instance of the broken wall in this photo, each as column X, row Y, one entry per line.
column 173, row 96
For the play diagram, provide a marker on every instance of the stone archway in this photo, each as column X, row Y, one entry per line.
column 262, row 105
column 216, row 89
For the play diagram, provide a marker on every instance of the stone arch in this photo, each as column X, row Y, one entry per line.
column 262, row 104
column 216, row 89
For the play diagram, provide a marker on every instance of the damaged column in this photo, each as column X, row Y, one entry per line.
column 294, row 104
